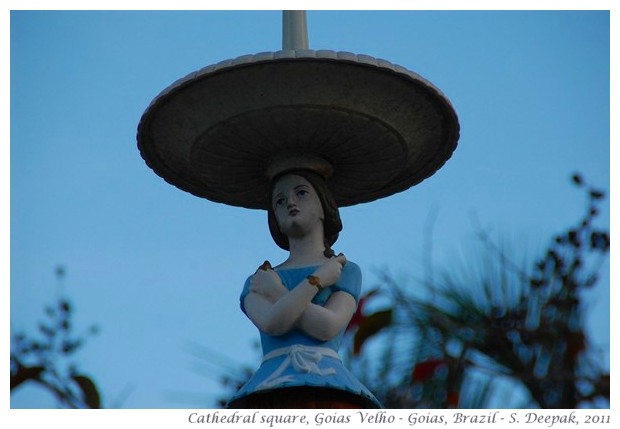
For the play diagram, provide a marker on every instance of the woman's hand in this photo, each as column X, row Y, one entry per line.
column 276, row 311
column 267, row 283
column 330, row 271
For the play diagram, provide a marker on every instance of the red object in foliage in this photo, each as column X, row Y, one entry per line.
column 453, row 400
column 358, row 317
column 424, row 370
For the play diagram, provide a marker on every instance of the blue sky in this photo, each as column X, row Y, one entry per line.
column 159, row 269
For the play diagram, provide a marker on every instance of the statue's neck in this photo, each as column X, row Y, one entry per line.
column 306, row 250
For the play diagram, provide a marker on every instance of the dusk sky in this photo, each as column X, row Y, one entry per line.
column 160, row 270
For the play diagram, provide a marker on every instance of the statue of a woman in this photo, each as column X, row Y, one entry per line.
column 303, row 305
column 378, row 127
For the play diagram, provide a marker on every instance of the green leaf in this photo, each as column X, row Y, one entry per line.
column 89, row 391
column 369, row 326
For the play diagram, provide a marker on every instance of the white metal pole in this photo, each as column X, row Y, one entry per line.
column 294, row 30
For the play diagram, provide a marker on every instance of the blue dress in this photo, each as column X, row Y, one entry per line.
column 296, row 359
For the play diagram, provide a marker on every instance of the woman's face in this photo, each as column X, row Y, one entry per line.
column 296, row 206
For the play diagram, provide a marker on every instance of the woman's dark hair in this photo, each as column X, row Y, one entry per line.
column 332, row 224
